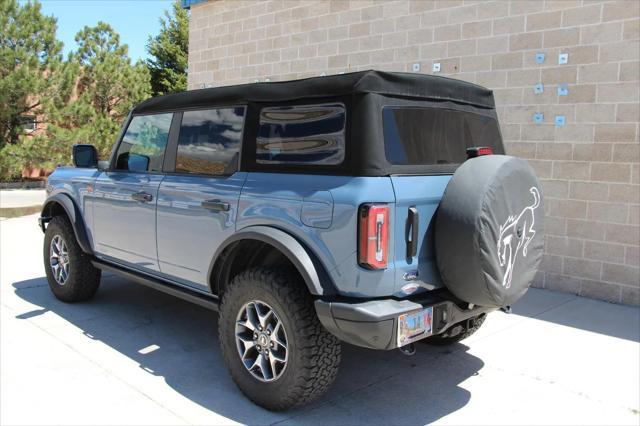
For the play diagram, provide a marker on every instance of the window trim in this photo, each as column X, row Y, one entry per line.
column 169, row 167
column 253, row 124
column 114, row 152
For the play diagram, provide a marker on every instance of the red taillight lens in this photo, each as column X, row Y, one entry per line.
column 373, row 236
column 478, row 151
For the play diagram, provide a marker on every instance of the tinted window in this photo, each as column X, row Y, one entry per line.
column 143, row 144
column 209, row 141
column 312, row 134
column 425, row 136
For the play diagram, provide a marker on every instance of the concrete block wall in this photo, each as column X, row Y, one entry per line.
column 589, row 166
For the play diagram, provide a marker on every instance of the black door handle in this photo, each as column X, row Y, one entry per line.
column 411, row 234
column 143, row 197
column 215, row 205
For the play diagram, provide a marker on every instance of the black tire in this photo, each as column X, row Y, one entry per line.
column 313, row 353
column 446, row 338
column 83, row 278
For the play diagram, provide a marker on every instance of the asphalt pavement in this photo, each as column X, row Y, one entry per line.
column 136, row 356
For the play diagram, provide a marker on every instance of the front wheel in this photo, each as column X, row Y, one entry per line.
column 71, row 276
column 272, row 342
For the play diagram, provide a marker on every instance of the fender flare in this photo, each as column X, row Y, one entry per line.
column 290, row 247
column 74, row 215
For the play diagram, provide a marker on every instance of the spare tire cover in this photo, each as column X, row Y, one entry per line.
column 489, row 231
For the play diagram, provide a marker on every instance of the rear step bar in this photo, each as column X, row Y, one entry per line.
column 209, row 302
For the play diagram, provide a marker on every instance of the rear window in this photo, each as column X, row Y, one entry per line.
column 428, row 136
column 302, row 135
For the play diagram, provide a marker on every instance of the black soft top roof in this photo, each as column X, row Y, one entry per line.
column 396, row 84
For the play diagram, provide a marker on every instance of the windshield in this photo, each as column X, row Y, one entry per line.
column 428, row 136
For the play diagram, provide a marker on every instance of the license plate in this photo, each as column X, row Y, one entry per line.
column 414, row 326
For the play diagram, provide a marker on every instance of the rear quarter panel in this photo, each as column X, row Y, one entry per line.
column 284, row 200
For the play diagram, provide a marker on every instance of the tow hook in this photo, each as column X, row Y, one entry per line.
column 409, row 349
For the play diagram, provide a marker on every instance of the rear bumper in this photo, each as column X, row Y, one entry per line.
column 374, row 324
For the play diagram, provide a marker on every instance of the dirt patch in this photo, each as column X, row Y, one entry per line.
column 8, row 213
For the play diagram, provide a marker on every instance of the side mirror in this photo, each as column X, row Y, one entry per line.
column 85, row 156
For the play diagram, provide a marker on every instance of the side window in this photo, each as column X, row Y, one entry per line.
column 143, row 144
column 309, row 134
column 209, row 141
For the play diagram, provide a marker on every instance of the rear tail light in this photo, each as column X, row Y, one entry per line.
column 478, row 151
column 373, row 236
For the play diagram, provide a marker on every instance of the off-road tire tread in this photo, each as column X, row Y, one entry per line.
column 84, row 278
column 320, row 349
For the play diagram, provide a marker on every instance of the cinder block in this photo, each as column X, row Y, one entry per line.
column 523, row 78
column 630, row 295
column 624, row 234
column 461, row 48
column 571, row 209
column 563, row 246
column 571, row 170
column 476, row 29
column 631, row 30
column 463, row 14
column 620, row 10
column 601, row 291
column 582, row 268
column 610, row 172
column 554, row 151
column 592, row 191
column 629, row 71
column 598, row 73
column 543, row 21
column 581, row 93
column 506, row 61
column 492, row 9
column 606, row 252
column 420, row 36
column 560, row 75
column 621, row 51
column 601, row 33
column 447, row 32
column 562, row 283
column 525, row 41
column 475, row 63
column 551, row 263
column 607, row 212
column 584, row 229
column 525, row 6
column 632, row 256
column 581, row 15
column 628, row 112
column 562, row 37
column 624, row 193
column 623, row 274
column 493, row 44
column 617, row 92
column 512, row 24
column 618, row 132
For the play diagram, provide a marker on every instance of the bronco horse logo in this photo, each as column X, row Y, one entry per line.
column 519, row 228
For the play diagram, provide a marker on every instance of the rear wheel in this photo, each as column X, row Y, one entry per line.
column 275, row 348
column 457, row 332
column 71, row 276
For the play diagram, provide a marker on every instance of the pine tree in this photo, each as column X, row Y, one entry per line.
column 169, row 51
column 30, row 61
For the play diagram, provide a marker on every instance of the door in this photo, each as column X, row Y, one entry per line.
column 197, row 203
column 126, row 195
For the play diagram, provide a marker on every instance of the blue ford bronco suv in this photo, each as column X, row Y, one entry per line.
column 372, row 208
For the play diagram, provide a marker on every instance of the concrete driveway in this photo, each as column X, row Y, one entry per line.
column 136, row 356
column 12, row 198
